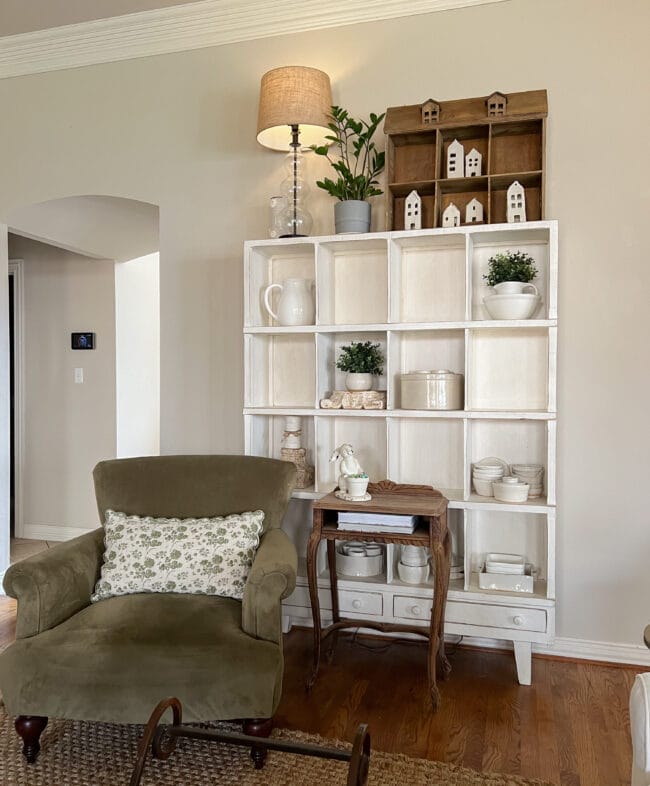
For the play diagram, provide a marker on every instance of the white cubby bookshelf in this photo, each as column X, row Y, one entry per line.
column 418, row 294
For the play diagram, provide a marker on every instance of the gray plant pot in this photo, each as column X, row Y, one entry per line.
column 350, row 216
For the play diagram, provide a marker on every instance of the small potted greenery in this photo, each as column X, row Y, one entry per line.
column 362, row 360
column 510, row 273
column 357, row 164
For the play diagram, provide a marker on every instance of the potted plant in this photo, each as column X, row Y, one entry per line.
column 510, row 273
column 362, row 360
column 357, row 164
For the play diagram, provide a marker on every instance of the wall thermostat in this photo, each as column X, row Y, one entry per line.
column 83, row 340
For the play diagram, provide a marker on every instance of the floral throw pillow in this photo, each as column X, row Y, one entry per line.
column 210, row 556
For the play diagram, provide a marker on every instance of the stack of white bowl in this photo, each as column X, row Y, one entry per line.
column 510, row 489
column 486, row 472
column 457, row 567
column 533, row 474
column 413, row 567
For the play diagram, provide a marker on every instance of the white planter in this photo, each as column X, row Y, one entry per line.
column 358, row 381
column 351, row 216
column 357, row 487
column 515, row 288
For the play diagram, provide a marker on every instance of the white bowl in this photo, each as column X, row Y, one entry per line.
column 491, row 462
column 483, row 487
column 358, row 564
column 511, row 306
column 491, row 472
column 510, row 492
column 412, row 574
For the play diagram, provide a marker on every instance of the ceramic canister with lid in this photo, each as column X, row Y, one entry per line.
column 440, row 389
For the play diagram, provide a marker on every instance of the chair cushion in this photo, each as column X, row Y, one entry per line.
column 209, row 556
column 114, row 660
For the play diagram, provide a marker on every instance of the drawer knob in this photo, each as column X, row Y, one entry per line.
column 518, row 620
column 417, row 610
column 356, row 603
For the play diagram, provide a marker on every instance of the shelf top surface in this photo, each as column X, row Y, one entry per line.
column 403, row 500
column 402, row 235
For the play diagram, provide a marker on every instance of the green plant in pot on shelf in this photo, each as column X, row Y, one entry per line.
column 362, row 361
column 357, row 163
column 510, row 274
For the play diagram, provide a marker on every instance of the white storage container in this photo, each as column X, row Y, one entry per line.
column 440, row 389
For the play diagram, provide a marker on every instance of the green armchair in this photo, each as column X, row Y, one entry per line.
column 114, row 660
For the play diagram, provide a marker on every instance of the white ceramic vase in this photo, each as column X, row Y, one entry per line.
column 357, row 382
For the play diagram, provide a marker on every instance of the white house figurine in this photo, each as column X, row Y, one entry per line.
column 473, row 163
column 455, row 159
column 516, row 203
column 451, row 216
column 474, row 212
column 413, row 211
column 430, row 112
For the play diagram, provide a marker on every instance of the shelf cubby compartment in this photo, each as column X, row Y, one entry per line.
column 352, row 286
column 397, row 197
column 366, row 435
column 533, row 186
column 428, row 278
column 516, row 147
column 297, row 523
column 536, row 243
column 423, row 350
column 461, row 191
column 414, row 157
column 474, row 136
column 516, row 442
column 272, row 263
column 282, row 370
column 500, row 532
column 330, row 378
column 429, row 452
column 507, row 369
column 394, row 553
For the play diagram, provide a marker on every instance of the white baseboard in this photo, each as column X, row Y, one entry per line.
column 50, row 532
column 562, row 646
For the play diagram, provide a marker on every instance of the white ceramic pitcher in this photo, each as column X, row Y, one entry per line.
column 296, row 305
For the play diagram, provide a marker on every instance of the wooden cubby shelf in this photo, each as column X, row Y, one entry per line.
column 512, row 147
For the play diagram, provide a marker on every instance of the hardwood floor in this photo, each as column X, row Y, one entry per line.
column 571, row 727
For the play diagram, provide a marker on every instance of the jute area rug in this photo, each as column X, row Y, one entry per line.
column 77, row 753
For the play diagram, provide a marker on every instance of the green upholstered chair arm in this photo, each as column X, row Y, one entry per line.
column 52, row 586
column 272, row 577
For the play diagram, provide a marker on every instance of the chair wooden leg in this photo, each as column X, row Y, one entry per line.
column 30, row 728
column 258, row 727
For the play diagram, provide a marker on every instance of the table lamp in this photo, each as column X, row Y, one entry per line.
column 294, row 110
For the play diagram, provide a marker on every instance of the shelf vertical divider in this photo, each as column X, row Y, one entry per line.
column 551, row 438
column 550, row 553
column 394, row 281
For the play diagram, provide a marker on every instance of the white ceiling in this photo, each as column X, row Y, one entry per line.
column 24, row 16
column 97, row 226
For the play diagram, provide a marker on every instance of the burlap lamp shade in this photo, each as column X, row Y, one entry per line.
column 293, row 96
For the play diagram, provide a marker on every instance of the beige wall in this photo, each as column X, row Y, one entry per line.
column 179, row 131
column 137, row 356
column 68, row 427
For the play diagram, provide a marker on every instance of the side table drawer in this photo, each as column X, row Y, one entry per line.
column 480, row 614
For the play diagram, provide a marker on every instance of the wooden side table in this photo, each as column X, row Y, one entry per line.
column 392, row 498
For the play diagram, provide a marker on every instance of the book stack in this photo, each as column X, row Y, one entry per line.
column 377, row 522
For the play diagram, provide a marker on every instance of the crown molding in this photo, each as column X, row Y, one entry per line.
column 194, row 26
